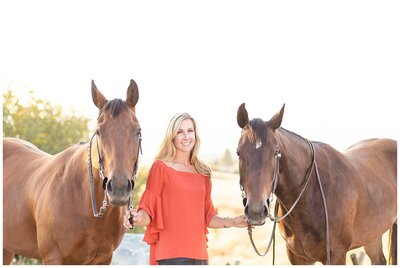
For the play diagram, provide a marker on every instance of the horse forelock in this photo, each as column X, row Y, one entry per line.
column 114, row 107
column 256, row 131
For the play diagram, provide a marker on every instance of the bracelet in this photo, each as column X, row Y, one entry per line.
column 226, row 218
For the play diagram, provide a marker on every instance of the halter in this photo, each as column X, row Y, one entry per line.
column 104, row 178
column 276, row 219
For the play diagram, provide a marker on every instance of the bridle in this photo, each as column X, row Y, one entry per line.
column 277, row 156
column 104, row 178
column 275, row 218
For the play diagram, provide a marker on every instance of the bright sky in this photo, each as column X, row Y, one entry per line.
column 336, row 64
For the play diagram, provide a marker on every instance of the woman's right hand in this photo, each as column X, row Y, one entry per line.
column 126, row 223
column 140, row 218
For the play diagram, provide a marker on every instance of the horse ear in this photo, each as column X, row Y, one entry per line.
column 132, row 95
column 242, row 116
column 98, row 98
column 276, row 120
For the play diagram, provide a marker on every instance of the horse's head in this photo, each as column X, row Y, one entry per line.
column 258, row 153
column 118, row 143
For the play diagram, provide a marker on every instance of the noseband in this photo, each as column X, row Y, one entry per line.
column 104, row 178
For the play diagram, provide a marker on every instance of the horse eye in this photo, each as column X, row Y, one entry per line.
column 139, row 133
column 99, row 133
column 237, row 152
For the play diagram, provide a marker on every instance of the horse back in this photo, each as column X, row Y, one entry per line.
column 375, row 164
column 374, row 157
column 21, row 159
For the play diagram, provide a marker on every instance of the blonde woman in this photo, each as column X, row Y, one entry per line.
column 176, row 206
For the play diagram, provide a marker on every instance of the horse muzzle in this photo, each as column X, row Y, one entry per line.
column 256, row 215
column 119, row 191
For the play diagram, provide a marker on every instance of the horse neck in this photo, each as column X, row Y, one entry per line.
column 296, row 160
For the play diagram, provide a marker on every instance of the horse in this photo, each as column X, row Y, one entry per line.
column 327, row 202
column 50, row 201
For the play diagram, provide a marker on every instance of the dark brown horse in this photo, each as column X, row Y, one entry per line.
column 50, row 201
column 328, row 202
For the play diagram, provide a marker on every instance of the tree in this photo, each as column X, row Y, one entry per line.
column 226, row 159
column 41, row 123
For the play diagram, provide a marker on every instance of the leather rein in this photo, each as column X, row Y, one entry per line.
column 275, row 218
column 104, row 178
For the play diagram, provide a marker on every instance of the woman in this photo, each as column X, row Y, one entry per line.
column 176, row 206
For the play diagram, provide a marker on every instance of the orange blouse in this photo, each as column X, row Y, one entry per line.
column 180, row 207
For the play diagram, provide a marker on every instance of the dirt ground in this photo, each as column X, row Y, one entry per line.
column 232, row 246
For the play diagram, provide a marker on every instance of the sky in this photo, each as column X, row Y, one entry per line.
column 334, row 64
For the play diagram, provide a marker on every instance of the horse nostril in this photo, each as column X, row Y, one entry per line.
column 246, row 210
column 266, row 211
column 109, row 187
column 131, row 185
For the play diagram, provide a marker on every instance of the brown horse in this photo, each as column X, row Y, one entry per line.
column 328, row 202
column 49, row 201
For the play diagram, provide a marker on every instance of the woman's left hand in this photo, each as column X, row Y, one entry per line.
column 239, row 221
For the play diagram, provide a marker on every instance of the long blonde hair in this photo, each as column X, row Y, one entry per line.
column 167, row 149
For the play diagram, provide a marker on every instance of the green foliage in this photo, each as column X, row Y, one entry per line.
column 225, row 163
column 20, row 260
column 227, row 159
column 41, row 123
column 140, row 184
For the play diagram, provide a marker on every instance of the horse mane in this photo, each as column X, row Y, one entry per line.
column 299, row 136
column 257, row 131
column 292, row 133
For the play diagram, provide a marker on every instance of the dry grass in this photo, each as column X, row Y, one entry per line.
column 233, row 246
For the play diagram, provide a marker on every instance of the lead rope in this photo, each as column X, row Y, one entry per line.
column 93, row 198
column 328, row 250
column 272, row 238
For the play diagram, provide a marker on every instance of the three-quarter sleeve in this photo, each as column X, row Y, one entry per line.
column 151, row 203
